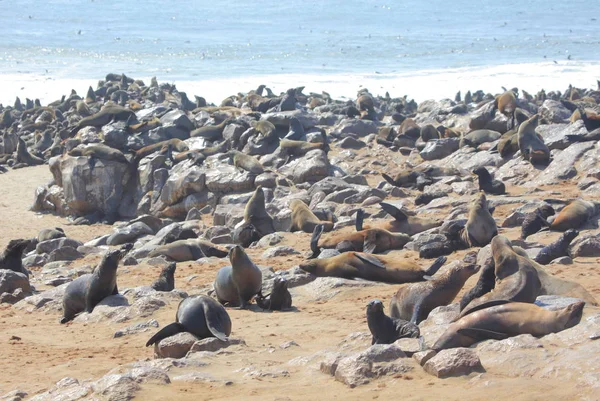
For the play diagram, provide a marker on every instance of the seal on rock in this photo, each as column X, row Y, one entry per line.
column 279, row 298
column 50, row 233
column 100, row 151
column 574, row 215
column 502, row 319
column 201, row 316
column 237, row 284
column 246, row 162
column 487, row 183
column 109, row 113
column 23, row 155
column 11, row 257
column 415, row 301
column 404, row 223
column 386, row 330
column 481, row 226
column 532, row 146
column 556, row 249
column 303, row 219
column 383, row 268
column 166, row 281
column 87, row 291
column 256, row 214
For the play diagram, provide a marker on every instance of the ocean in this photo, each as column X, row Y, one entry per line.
column 420, row 48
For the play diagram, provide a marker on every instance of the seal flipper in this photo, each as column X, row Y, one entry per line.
column 115, row 290
column 482, row 334
column 393, row 211
column 372, row 260
column 435, row 266
column 215, row 323
column 389, row 179
column 167, row 331
column 485, row 305
column 370, row 243
column 314, row 241
column 417, row 312
column 360, row 218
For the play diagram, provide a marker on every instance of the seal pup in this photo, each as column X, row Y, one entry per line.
column 516, row 278
column 211, row 132
column 487, row 183
column 502, row 319
column 415, row 301
column 87, row 291
column 279, row 298
column 574, row 215
column 536, row 220
column 403, row 222
column 386, row 330
column 557, row 249
column 303, row 219
column 237, row 284
column 199, row 315
column 384, row 268
column 531, row 145
column 485, row 283
column 481, row 226
column 23, row 155
column 11, row 258
column 166, row 281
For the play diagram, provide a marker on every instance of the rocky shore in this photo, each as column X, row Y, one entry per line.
column 184, row 181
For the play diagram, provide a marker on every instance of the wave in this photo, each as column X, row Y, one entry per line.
column 419, row 85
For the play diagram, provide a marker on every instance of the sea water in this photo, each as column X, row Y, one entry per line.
column 420, row 48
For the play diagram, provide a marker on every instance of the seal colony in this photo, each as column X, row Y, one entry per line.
column 312, row 200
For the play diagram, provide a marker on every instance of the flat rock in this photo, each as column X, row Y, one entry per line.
column 453, row 362
column 213, row 344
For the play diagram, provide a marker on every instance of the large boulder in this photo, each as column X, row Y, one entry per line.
column 312, row 167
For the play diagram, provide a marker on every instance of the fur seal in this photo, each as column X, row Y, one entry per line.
column 99, row 151
column 556, row 249
column 23, row 155
column 303, row 219
column 481, row 226
column 255, row 214
column 188, row 249
column 201, row 316
column 487, row 183
column 502, row 319
column 11, row 257
column 506, row 103
column 386, row 330
column 370, row 240
column 532, row 146
column 296, row 131
column 404, row 223
column 246, row 162
column 574, row 215
column 87, row 291
column 478, row 137
column 279, row 298
column 289, row 148
column 384, row 268
column 211, row 132
column 516, row 278
column 536, row 220
column 237, row 284
column 177, row 145
column 486, row 283
column 166, row 281
column 108, row 114
column 415, row 301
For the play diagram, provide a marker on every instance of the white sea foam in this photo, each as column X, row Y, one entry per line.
column 419, row 85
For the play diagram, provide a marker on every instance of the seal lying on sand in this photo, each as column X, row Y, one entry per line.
column 574, row 215
column 166, row 280
column 403, row 223
column 502, row 319
column 386, row 330
column 201, row 316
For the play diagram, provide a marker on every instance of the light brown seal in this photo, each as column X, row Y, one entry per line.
column 574, row 215
column 481, row 226
column 303, row 219
column 403, row 223
column 531, row 144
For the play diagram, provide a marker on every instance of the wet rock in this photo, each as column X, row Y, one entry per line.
column 453, row 362
column 585, row 246
column 176, row 346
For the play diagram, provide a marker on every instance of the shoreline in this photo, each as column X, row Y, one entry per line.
column 418, row 85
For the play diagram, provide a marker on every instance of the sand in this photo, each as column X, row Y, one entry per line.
column 37, row 351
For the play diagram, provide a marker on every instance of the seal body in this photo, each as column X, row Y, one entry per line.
column 415, row 301
column 386, row 330
column 532, row 146
column 481, row 226
column 280, row 297
column 237, row 284
column 87, row 291
column 11, row 257
column 556, row 249
column 384, row 268
column 574, row 215
column 485, row 283
column 201, row 316
column 166, row 280
column 404, row 223
column 536, row 220
column 504, row 319
column 303, row 219
column 188, row 249
column 487, row 183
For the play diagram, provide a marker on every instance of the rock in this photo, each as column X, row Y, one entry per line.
column 556, row 136
column 422, row 239
column 564, row 260
column 177, row 118
column 288, row 344
column 266, row 180
column 225, row 178
column 554, row 111
column 330, row 363
column 11, row 281
column 353, row 371
column 136, row 328
column 281, row 119
column 555, row 302
column 382, row 353
column 213, row 344
column 35, row 260
column 184, row 179
column 54, row 244
column 562, row 166
column 15, row 395
column 351, row 143
column 129, row 233
column 514, row 219
column 279, row 251
column 453, row 362
column 409, row 345
column 439, row 148
column 328, row 185
column 524, row 341
column 356, row 127
column 312, row 167
column 176, row 346
column 64, row 253
column 423, row 356
column 585, row 246
column 228, row 215
column 269, row 240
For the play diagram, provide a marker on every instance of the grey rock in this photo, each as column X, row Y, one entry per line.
column 213, row 344
column 351, row 143
column 555, row 302
column 64, row 253
column 54, row 244
column 312, row 167
column 176, row 346
column 279, row 251
column 562, row 166
column 356, row 127
column 585, row 246
column 556, row 136
column 184, row 179
column 11, row 281
column 514, row 219
column 453, row 362
column 439, row 148
column 136, row 328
